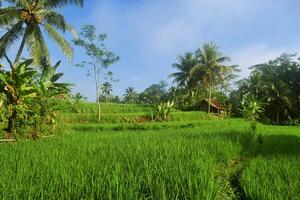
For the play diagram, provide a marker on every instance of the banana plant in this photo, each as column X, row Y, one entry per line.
column 164, row 110
column 18, row 86
column 252, row 110
column 47, row 88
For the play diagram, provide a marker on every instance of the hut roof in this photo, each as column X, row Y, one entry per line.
column 215, row 103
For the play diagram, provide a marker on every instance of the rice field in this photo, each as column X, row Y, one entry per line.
column 180, row 159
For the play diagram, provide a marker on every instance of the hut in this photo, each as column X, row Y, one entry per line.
column 216, row 107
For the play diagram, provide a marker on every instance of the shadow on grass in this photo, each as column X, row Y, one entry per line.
column 280, row 145
column 271, row 145
column 267, row 146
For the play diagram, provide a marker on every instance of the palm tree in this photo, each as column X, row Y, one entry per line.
column 184, row 77
column 211, row 68
column 130, row 94
column 279, row 97
column 78, row 97
column 255, row 85
column 28, row 19
column 172, row 93
column 106, row 89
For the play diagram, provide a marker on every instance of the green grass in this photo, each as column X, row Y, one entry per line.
column 205, row 125
column 67, row 106
column 275, row 174
column 137, row 117
column 192, row 156
column 85, row 112
column 153, row 164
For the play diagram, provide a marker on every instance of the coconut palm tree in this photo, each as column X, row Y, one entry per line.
column 28, row 20
column 278, row 96
column 210, row 65
column 106, row 89
column 78, row 97
column 130, row 95
column 184, row 77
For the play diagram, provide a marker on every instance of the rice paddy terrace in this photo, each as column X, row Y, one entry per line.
column 129, row 156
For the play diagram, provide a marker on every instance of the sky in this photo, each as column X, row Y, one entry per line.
column 148, row 35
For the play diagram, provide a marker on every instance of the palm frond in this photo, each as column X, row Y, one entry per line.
column 62, row 43
column 55, row 19
column 37, row 46
column 19, row 3
column 8, row 15
column 73, row 31
column 61, row 3
column 10, row 37
column 223, row 59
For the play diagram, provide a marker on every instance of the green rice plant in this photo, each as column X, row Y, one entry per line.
column 273, row 178
column 209, row 125
column 67, row 106
column 175, row 164
column 274, row 174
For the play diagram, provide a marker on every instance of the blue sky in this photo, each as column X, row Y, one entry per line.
column 149, row 34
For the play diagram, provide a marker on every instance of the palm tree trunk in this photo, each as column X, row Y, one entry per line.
column 19, row 53
column 209, row 97
column 11, row 119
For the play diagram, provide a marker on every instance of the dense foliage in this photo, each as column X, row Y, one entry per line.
column 26, row 106
column 29, row 87
column 276, row 85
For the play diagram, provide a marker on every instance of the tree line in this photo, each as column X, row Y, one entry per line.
column 205, row 74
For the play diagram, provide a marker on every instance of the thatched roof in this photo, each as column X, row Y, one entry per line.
column 215, row 103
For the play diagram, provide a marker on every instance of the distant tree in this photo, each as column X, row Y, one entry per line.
column 26, row 19
column 100, row 58
column 130, row 95
column 154, row 94
column 78, row 97
column 172, row 94
column 106, row 90
column 117, row 99
column 279, row 95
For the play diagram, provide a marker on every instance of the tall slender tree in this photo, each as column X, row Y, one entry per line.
column 100, row 58
column 27, row 21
